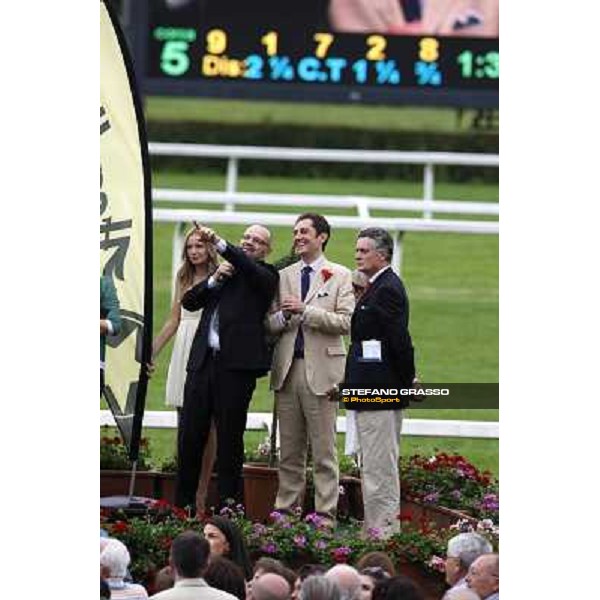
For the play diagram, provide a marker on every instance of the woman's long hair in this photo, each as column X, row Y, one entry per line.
column 238, row 552
column 185, row 274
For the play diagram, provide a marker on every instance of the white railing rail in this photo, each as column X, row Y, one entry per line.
column 167, row 419
column 234, row 154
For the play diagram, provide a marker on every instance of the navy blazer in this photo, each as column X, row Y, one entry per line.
column 243, row 301
column 381, row 314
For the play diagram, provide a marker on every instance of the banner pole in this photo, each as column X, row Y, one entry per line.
column 132, row 480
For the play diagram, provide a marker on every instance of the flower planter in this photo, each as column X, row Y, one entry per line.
column 441, row 516
column 116, row 483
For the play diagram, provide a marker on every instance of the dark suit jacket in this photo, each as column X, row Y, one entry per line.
column 243, row 302
column 381, row 314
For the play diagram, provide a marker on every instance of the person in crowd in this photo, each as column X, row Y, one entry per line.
column 188, row 558
column 229, row 352
column 311, row 315
column 271, row 565
column 381, row 356
column 369, row 577
column 198, row 262
column 366, row 16
column 226, row 540
column 484, row 576
column 318, row 587
column 270, row 586
column 376, row 559
column 462, row 551
column 223, row 574
column 306, row 571
column 110, row 319
column 114, row 560
column 347, row 580
column 104, row 590
column 397, row 587
column 164, row 579
column 360, row 283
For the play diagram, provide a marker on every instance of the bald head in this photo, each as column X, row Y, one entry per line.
column 256, row 241
column 347, row 579
column 270, row 586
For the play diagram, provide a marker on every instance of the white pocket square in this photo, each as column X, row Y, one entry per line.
column 322, row 294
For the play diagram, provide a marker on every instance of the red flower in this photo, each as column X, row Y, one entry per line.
column 120, row 527
column 326, row 274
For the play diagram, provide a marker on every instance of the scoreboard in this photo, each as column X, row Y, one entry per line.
column 254, row 55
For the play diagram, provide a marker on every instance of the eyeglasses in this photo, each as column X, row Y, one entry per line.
column 252, row 238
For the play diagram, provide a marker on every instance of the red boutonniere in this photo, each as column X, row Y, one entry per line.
column 326, row 274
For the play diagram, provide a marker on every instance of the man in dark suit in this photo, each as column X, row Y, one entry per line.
column 228, row 353
column 380, row 356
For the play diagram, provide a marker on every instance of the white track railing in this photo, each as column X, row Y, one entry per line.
column 167, row 419
column 234, row 154
column 397, row 226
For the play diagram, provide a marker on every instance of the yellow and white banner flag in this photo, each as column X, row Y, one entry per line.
column 125, row 229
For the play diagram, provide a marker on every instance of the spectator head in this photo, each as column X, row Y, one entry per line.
column 369, row 577
column 225, row 575
column 311, row 234
column 376, row 559
column 164, row 580
column 256, row 241
column 270, row 586
column 347, row 579
column 304, row 572
column 374, row 250
column 226, row 540
column 271, row 565
column 484, row 575
column 114, row 560
column 397, row 587
column 318, row 587
column 189, row 555
column 463, row 549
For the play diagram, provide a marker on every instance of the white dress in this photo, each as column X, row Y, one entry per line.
column 179, row 357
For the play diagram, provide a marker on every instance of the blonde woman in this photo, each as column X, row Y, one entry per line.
column 199, row 261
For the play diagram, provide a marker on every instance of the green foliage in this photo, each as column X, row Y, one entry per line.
column 113, row 453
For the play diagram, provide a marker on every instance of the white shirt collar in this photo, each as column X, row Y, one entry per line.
column 372, row 279
column 315, row 265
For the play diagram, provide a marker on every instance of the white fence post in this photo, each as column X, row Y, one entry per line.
column 397, row 256
column 232, row 177
column 428, row 183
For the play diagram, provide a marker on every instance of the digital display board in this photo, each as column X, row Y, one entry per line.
column 325, row 50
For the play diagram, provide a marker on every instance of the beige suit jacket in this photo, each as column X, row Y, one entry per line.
column 192, row 589
column 329, row 305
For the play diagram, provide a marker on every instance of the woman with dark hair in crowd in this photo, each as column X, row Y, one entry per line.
column 225, row 575
column 393, row 588
column 226, row 540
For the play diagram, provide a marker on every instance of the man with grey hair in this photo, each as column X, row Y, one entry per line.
column 484, row 576
column 318, row 587
column 347, row 579
column 114, row 560
column 463, row 549
column 381, row 356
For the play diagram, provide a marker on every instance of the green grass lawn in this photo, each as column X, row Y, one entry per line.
column 452, row 283
column 310, row 114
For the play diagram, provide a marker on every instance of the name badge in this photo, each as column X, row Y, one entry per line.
column 371, row 350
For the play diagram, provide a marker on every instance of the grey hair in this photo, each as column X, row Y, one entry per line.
column 467, row 547
column 463, row 593
column 115, row 557
column 382, row 239
column 318, row 587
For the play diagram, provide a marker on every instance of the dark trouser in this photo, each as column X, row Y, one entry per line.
column 213, row 393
